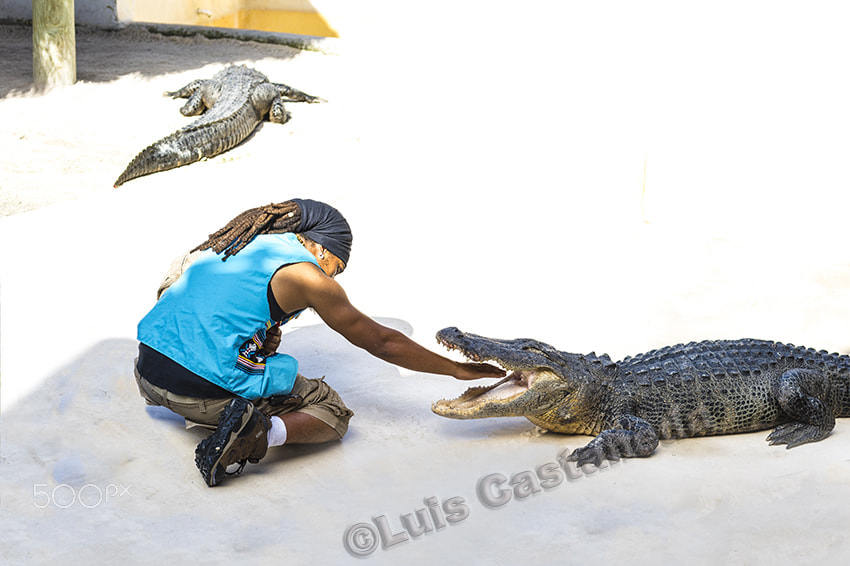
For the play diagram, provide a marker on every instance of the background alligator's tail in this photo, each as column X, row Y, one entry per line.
column 191, row 144
column 168, row 153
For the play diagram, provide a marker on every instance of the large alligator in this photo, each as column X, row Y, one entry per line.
column 233, row 103
column 696, row 389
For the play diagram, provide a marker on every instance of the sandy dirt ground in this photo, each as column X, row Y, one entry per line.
column 603, row 179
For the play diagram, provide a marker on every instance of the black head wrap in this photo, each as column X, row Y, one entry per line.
column 324, row 224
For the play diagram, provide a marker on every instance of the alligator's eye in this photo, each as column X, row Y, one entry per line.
column 551, row 356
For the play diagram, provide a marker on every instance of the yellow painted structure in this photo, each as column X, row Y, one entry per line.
column 287, row 16
column 303, row 23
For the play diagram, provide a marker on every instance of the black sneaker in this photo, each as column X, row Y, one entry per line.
column 241, row 436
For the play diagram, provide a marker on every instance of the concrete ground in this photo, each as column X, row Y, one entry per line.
column 610, row 179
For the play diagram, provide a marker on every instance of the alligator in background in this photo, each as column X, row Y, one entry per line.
column 233, row 103
column 696, row 389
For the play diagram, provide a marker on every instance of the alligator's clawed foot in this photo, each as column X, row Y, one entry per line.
column 588, row 455
column 795, row 434
column 290, row 94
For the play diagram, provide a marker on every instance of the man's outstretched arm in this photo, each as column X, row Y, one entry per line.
column 328, row 299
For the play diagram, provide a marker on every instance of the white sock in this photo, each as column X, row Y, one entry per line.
column 277, row 433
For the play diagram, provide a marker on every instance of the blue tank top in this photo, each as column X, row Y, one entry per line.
column 213, row 319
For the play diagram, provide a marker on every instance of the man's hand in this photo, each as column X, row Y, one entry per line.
column 469, row 371
column 271, row 342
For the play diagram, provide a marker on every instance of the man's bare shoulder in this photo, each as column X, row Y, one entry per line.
column 303, row 276
column 301, row 285
column 300, row 270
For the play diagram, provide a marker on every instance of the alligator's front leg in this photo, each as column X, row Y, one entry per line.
column 202, row 94
column 632, row 438
column 807, row 396
column 290, row 94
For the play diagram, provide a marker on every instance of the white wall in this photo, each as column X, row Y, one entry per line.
column 99, row 13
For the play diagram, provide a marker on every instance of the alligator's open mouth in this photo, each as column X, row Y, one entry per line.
column 518, row 394
column 475, row 400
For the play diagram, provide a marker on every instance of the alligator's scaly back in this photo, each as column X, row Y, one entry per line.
column 727, row 386
column 696, row 389
column 233, row 103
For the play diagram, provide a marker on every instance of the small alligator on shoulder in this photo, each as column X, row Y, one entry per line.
column 688, row 390
column 232, row 104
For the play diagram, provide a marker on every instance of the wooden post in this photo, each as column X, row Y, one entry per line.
column 54, row 54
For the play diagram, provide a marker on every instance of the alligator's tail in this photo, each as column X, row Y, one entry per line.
column 168, row 153
column 191, row 144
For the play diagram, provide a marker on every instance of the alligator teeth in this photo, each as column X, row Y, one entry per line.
column 516, row 382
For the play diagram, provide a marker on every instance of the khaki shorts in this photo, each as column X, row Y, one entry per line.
column 310, row 396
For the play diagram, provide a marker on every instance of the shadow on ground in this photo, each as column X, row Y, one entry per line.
column 141, row 52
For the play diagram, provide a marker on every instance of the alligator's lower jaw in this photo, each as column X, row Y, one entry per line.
column 496, row 400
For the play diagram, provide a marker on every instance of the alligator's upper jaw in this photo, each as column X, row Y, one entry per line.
column 523, row 393
column 522, row 354
column 502, row 399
